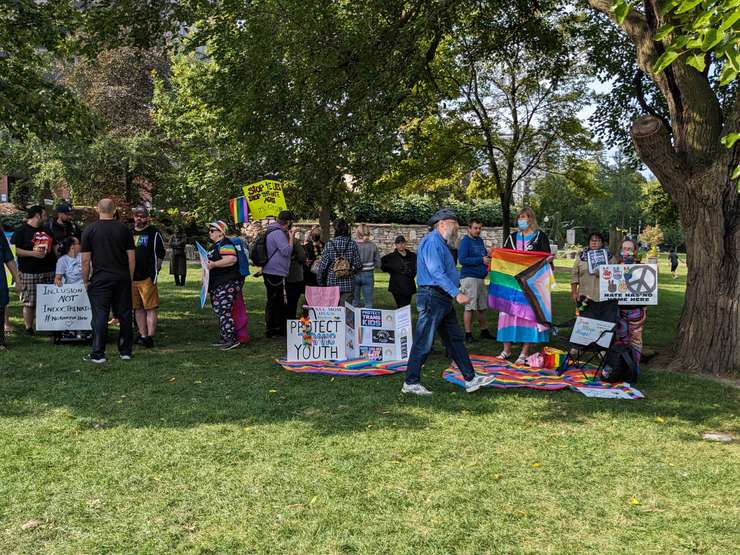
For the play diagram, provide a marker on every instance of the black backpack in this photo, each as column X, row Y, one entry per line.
column 258, row 253
column 620, row 366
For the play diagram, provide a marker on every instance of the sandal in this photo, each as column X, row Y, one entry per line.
column 504, row 355
column 522, row 360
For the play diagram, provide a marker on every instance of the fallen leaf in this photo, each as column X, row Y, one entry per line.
column 497, row 476
column 659, row 420
column 32, row 524
column 313, row 500
column 172, row 379
column 634, row 501
column 273, row 391
column 197, row 381
column 536, row 465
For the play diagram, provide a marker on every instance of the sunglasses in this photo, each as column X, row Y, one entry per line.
column 213, row 230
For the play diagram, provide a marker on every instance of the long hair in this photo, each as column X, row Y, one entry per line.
column 341, row 228
column 363, row 232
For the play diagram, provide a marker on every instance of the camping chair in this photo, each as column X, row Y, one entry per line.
column 591, row 337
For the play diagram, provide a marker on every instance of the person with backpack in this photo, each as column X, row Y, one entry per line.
column 340, row 262
column 272, row 251
column 224, row 284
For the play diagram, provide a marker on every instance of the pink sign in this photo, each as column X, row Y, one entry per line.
column 322, row 296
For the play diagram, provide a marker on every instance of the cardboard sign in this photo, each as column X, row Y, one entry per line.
column 587, row 331
column 62, row 308
column 319, row 335
column 265, row 198
column 375, row 334
column 630, row 284
column 206, row 273
column 596, row 258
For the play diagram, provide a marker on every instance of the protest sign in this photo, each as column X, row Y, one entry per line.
column 587, row 331
column 630, row 284
column 382, row 335
column 62, row 308
column 596, row 258
column 203, row 256
column 265, row 198
column 318, row 335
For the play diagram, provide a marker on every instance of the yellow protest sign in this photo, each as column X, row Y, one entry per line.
column 265, row 198
column 7, row 272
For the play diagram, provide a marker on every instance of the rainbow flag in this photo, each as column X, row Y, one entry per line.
column 507, row 375
column 357, row 368
column 239, row 210
column 520, row 284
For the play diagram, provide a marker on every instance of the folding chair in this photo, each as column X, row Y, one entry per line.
column 591, row 337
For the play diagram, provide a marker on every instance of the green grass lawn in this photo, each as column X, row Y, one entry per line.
column 188, row 449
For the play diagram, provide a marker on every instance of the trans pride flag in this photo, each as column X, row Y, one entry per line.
column 520, row 283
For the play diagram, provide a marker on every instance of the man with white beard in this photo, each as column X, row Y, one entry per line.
column 439, row 283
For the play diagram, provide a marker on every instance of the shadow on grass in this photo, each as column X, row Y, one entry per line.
column 183, row 383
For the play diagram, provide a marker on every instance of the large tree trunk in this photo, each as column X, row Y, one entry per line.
column 324, row 221
column 505, row 215
column 708, row 336
column 694, row 169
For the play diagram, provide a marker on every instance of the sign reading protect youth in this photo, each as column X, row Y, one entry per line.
column 318, row 336
column 265, row 198
column 62, row 308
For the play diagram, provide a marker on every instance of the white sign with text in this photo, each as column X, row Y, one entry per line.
column 629, row 284
column 62, row 308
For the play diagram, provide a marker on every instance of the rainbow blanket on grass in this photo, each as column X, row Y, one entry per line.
column 359, row 367
column 520, row 284
column 510, row 376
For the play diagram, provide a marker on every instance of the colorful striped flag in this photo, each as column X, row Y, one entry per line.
column 520, row 284
column 239, row 210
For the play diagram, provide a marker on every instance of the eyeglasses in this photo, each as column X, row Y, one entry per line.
column 213, row 230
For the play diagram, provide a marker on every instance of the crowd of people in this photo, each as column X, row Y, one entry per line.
column 119, row 265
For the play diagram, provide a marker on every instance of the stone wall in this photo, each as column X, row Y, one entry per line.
column 384, row 235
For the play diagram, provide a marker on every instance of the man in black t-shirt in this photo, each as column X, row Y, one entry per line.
column 108, row 246
column 61, row 226
column 34, row 247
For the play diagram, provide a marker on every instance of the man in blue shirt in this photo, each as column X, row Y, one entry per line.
column 439, row 284
column 473, row 257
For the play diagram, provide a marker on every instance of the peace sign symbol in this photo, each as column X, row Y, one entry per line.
column 642, row 281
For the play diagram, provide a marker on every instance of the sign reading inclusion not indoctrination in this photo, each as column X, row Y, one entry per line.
column 62, row 308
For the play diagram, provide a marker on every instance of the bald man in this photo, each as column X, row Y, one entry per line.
column 108, row 246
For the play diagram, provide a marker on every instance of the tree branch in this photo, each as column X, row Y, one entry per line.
column 653, row 145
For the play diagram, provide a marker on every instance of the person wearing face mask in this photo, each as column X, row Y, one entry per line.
column 631, row 320
column 515, row 329
column 438, row 285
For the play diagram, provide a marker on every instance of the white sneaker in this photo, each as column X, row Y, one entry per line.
column 416, row 389
column 125, row 357
column 477, row 382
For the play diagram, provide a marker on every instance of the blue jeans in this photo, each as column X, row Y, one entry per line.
column 364, row 285
column 436, row 312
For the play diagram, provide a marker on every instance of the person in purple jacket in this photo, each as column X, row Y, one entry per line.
column 279, row 243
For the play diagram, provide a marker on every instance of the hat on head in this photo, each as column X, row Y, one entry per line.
column 140, row 210
column 400, row 239
column 442, row 214
column 63, row 208
column 220, row 225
